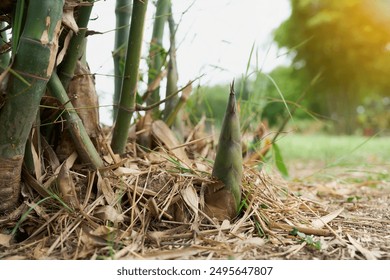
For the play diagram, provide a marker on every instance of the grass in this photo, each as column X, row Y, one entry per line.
column 328, row 148
column 335, row 153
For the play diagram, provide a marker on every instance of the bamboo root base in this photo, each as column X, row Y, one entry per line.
column 10, row 174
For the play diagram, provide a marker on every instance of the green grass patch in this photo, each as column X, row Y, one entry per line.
column 328, row 149
column 352, row 159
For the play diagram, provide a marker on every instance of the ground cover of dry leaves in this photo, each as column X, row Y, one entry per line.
column 150, row 205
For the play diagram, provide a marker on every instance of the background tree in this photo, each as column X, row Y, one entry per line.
column 347, row 41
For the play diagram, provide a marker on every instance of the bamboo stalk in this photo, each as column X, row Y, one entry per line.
column 172, row 75
column 130, row 79
column 175, row 112
column 75, row 50
column 34, row 62
column 123, row 13
column 155, row 59
column 83, row 143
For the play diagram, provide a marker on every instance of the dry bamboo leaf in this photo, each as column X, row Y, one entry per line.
column 202, row 167
column 37, row 163
column 191, row 198
column 105, row 232
column 126, row 171
column 157, row 236
column 5, row 240
column 108, row 213
column 156, row 157
column 42, row 189
column 143, row 131
column 163, row 134
column 82, row 93
column 62, row 53
column 84, row 98
column 257, row 241
column 186, row 91
column 50, row 154
column 321, row 222
column 69, row 20
column 225, row 225
column 104, row 186
column 98, row 237
column 366, row 253
column 66, row 185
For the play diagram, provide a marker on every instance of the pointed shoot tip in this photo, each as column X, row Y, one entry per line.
column 232, row 87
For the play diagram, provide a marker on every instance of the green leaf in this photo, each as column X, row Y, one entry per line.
column 17, row 25
column 279, row 162
column 294, row 232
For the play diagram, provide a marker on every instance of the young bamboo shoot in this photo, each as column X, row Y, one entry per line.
column 223, row 198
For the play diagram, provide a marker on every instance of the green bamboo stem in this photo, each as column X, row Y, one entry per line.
column 228, row 162
column 75, row 49
column 130, row 78
column 17, row 25
column 155, row 59
column 175, row 112
column 172, row 75
column 34, row 62
column 83, row 143
column 123, row 13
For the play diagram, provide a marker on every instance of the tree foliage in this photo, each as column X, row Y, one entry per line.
column 348, row 42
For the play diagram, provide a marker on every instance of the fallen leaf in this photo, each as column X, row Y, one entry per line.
column 108, row 213
column 163, row 133
column 191, row 198
column 66, row 185
column 321, row 222
column 120, row 171
column 5, row 240
column 105, row 187
column 225, row 225
column 257, row 241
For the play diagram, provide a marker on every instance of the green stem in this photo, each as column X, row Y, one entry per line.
column 172, row 75
column 156, row 47
column 75, row 50
column 34, row 62
column 123, row 13
column 130, row 79
column 83, row 143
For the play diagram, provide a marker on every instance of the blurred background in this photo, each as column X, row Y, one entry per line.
column 317, row 68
